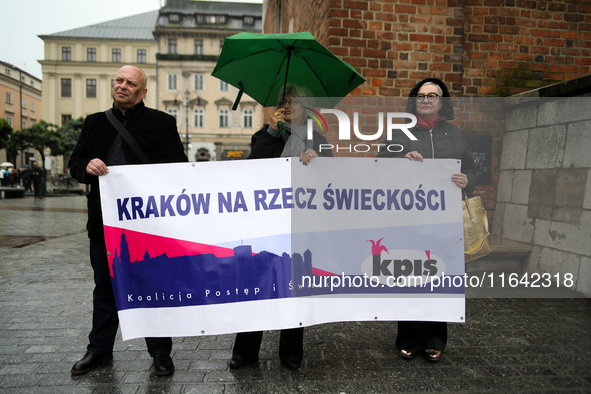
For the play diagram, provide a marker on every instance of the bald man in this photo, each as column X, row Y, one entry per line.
column 100, row 146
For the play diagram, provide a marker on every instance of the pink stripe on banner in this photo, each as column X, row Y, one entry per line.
column 140, row 243
column 319, row 272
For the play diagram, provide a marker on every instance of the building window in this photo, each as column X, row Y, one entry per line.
column 199, row 114
column 32, row 106
column 224, row 113
column 141, row 55
column 200, row 18
column 172, row 46
column 211, row 19
column 174, row 18
column 7, row 71
column 66, row 87
column 224, row 87
column 172, row 82
column 198, row 47
column 248, row 20
column 9, row 97
column 247, row 116
column 198, row 82
column 66, row 119
column 22, row 78
column 9, row 120
column 67, row 54
column 116, row 55
column 220, row 19
column 24, row 103
column 91, row 54
column 32, row 84
column 24, row 123
column 175, row 113
column 91, row 88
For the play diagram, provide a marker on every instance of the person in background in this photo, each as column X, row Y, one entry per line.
column 13, row 177
column 430, row 102
column 24, row 175
column 37, row 175
column 284, row 136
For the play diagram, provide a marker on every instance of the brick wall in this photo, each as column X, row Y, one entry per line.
column 477, row 47
column 511, row 46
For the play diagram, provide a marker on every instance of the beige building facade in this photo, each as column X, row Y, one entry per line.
column 22, row 105
column 177, row 47
column 80, row 64
column 190, row 38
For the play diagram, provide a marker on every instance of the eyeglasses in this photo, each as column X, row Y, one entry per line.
column 432, row 97
column 290, row 102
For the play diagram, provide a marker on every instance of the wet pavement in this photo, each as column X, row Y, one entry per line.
column 506, row 346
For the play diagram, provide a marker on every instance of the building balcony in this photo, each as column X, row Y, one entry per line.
column 179, row 57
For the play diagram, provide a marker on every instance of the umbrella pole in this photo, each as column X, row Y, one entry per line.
column 280, row 123
column 289, row 49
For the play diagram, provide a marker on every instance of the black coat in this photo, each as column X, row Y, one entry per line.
column 154, row 131
column 265, row 146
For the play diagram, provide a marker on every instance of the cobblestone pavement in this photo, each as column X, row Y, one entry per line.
column 506, row 346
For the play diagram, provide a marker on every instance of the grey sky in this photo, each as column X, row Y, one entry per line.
column 24, row 20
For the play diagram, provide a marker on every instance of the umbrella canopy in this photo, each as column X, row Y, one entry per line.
column 6, row 164
column 260, row 65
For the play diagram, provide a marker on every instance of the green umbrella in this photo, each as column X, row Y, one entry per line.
column 260, row 65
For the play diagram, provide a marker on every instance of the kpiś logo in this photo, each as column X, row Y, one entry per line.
column 402, row 267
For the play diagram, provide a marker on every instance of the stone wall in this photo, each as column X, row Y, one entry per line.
column 544, row 190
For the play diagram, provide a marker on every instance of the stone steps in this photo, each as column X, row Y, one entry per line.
column 506, row 255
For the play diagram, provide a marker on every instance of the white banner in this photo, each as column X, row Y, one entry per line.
column 221, row 247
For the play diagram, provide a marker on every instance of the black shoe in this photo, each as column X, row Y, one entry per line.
column 89, row 362
column 433, row 355
column 407, row 354
column 163, row 365
column 237, row 361
column 292, row 362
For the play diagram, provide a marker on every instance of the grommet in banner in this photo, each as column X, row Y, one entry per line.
column 461, row 239
column 286, row 159
column 202, row 331
column 376, row 318
column 461, row 317
column 109, row 253
column 376, row 160
column 300, row 323
column 193, row 165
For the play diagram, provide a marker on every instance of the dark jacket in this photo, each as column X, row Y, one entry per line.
column 445, row 141
column 154, row 131
column 265, row 146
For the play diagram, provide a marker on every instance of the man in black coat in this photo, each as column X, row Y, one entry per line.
column 100, row 145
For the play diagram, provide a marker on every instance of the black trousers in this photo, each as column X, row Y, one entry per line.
column 104, row 312
column 420, row 335
column 37, row 186
column 291, row 343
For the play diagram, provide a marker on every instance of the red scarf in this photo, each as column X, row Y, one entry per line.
column 428, row 123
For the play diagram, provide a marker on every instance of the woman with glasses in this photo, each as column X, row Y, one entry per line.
column 284, row 136
column 430, row 102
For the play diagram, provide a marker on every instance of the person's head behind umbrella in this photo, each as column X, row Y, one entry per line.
column 294, row 101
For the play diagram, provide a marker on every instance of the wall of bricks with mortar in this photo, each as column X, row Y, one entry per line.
column 477, row 47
